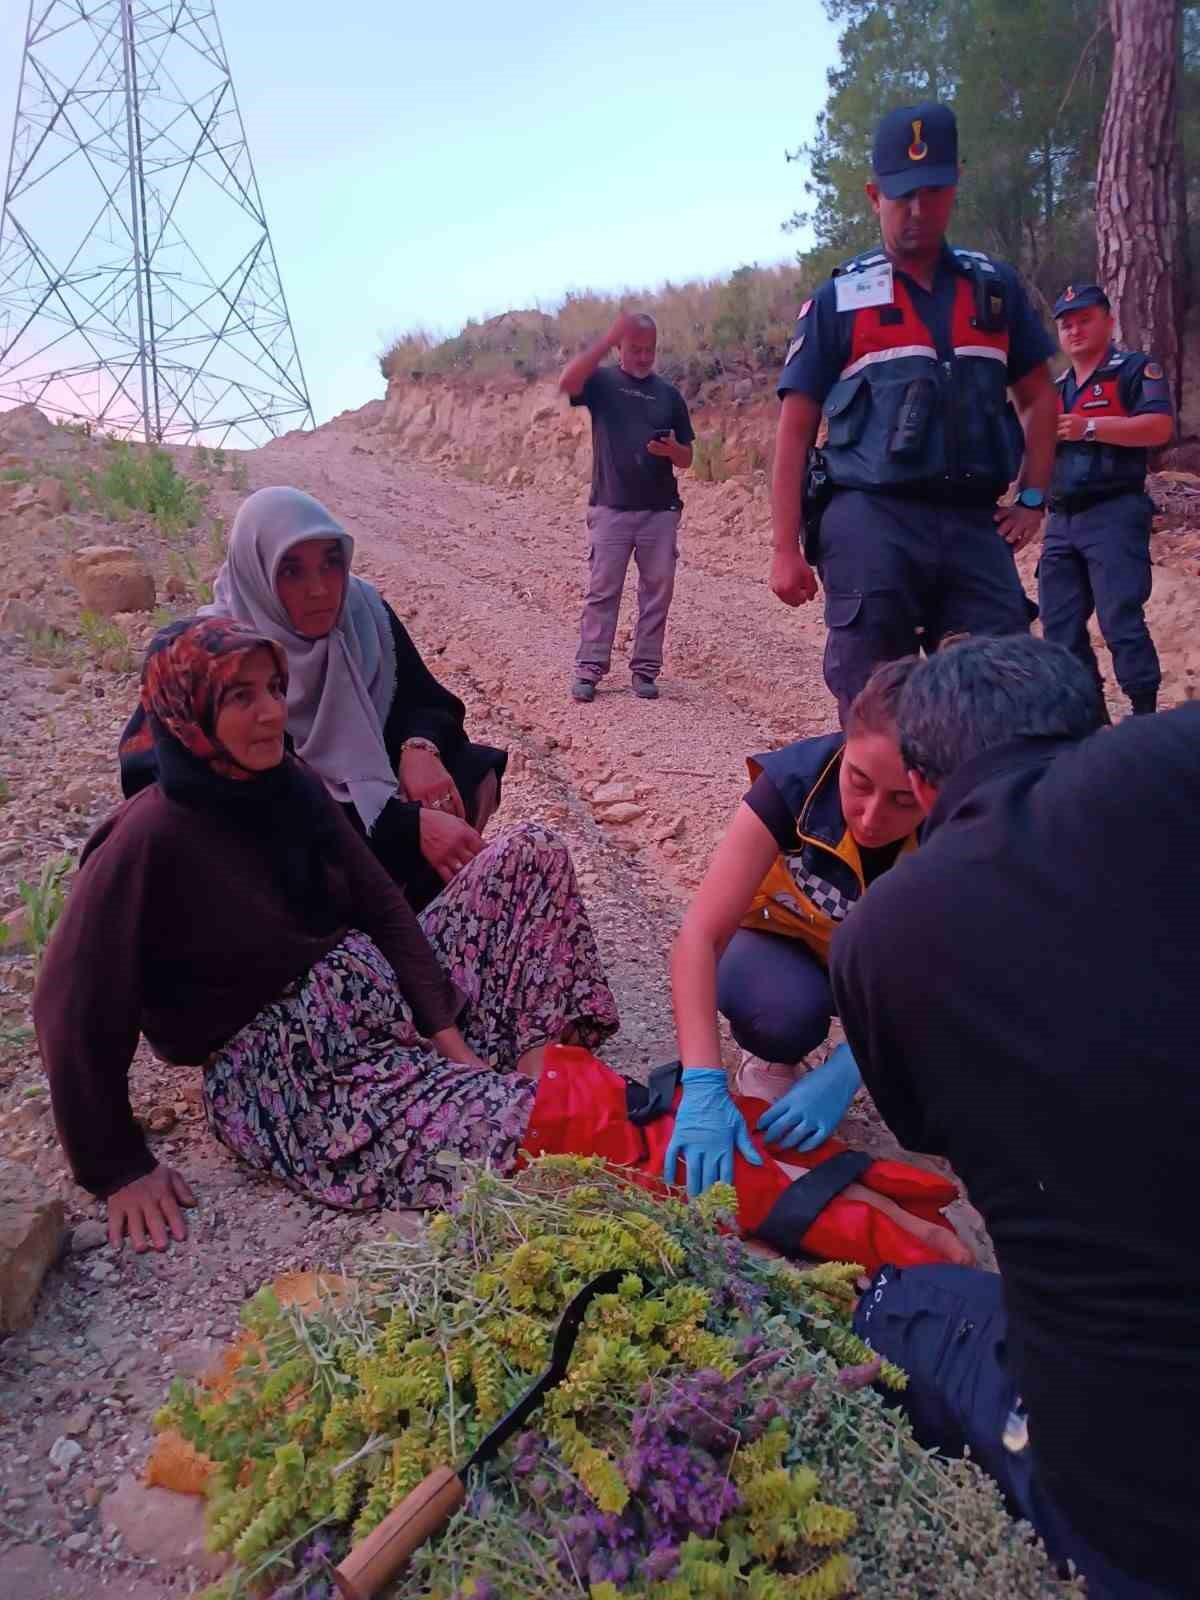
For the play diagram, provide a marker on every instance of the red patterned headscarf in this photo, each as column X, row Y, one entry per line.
column 189, row 668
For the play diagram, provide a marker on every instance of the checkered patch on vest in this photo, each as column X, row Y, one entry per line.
column 826, row 897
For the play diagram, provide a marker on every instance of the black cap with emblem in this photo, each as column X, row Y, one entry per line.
column 916, row 147
column 1078, row 296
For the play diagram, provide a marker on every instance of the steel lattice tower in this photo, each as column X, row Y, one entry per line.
column 139, row 289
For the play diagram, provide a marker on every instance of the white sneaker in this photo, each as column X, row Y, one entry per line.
column 765, row 1080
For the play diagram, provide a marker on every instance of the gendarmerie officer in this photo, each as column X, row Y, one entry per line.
column 909, row 352
column 1115, row 405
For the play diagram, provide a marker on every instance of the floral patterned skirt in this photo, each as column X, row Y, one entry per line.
column 331, row 1088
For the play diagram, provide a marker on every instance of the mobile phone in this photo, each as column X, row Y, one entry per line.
column 662, row 433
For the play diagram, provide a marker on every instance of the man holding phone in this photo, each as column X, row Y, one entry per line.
column 641, row 432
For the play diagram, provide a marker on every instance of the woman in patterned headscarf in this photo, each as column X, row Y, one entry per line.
column 231, row 914
column 364, row 711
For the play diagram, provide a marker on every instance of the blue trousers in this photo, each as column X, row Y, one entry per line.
column 899, row 575
column 775, row 995
column 947, row 1327
column 1099, row 560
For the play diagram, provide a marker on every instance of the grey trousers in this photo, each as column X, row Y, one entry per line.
column 651, row 538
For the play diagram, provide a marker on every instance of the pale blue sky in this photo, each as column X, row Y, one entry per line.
column 424, row 164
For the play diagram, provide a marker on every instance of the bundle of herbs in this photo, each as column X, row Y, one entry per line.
column 719, row 1432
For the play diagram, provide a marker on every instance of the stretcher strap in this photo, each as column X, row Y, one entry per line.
column 802, row 1202
column 646, row 1102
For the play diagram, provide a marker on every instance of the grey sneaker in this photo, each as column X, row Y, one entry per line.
column 583, row 689
column 644, row 688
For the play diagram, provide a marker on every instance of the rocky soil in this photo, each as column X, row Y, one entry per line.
column 489, row 581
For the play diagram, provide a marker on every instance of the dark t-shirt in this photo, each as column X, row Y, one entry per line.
column 626, row 413
column 1020, row 995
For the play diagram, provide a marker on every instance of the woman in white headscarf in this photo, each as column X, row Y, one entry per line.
column 364, row 711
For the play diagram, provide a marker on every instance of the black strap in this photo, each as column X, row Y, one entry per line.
column 803, row 1201
column 646, row 1102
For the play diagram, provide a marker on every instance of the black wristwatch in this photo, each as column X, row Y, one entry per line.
column 1031, row 499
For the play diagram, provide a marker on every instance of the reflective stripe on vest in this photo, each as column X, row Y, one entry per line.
column 962, row 433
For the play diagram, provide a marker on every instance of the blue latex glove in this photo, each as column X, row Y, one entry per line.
column 809, row 1112
column 708, row 1126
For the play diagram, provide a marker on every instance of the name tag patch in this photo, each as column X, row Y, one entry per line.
column 873, row 287
column 1094, row 405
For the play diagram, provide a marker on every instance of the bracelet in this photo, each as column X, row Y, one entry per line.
column 419, row 743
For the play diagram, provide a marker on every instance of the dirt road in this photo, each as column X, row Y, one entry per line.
column 489, row 582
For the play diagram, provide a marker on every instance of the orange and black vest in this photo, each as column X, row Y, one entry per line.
column 1095, row 471
column 810, row 888
column 913, row 409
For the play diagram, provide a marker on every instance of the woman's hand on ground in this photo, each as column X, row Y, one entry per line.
column 447, row 843
column 424, row 779
column 148, row 1210
column 451, row 1044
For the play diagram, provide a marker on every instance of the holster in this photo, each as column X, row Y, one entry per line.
column 818, row 492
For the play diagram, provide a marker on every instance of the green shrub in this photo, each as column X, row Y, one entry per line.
column 708, row 459
column 14, row 475
column 147, row 481
column 101, row 636
column 44, row 900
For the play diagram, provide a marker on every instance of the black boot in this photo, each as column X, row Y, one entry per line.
column 1144, row 704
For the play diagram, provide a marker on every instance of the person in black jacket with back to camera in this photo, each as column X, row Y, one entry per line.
column 1020, row 995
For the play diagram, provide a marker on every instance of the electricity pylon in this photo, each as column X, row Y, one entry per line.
column 139, row 290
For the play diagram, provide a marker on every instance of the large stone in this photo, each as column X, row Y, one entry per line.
column 25, row 425
column 112, row 578
column 31, row 1235
column 158, row 1525
column 611, row 794
column 624, row 812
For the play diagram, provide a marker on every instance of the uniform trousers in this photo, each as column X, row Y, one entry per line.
column 775, row 995
column 900, row 574
column 948, row 1328
column 652, row 539
column 1098, row 560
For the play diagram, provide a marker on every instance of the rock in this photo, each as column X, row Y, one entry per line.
column 62, row 679
column 77, row 1542
column 78, row 795
column 743, row 389
column 161, row 1119
column 19, row 617
column 672, row 830
column 16, row 928
column 51, row 494
column 176, row 587
column 609, row 794
column 112, row 578
column 156, row 1524
column 31, row 1235
column 64, row 1453
column 116, row 660
column 669, row 848
column 88, row 1236
column 622, row 812
column 10, row 853
column 25, row 425
column 79, row 1421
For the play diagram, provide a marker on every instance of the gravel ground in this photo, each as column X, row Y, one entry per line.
column 489, row 581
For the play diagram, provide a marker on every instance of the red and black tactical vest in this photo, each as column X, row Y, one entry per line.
column 908, row 411
column 1086, row 471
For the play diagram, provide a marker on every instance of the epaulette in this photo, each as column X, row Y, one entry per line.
column 860, row 263
column 974, row 260
column 1063, row 375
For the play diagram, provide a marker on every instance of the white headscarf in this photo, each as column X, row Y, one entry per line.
column 340, row 687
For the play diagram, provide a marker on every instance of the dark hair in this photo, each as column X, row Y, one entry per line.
column 873, row 709
column 985, row 692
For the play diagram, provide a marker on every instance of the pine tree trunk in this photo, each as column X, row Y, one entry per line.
column 1139, row 224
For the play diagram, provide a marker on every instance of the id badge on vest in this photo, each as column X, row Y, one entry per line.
column 874, row 287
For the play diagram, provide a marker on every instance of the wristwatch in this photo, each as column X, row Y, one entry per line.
column 1089, row 431
column 1031, row 499
column 417, row 743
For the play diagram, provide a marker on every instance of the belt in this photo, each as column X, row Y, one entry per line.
column 932, row 492
column 1071, row 503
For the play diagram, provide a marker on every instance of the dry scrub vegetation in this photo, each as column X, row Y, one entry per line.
column 706, row 329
